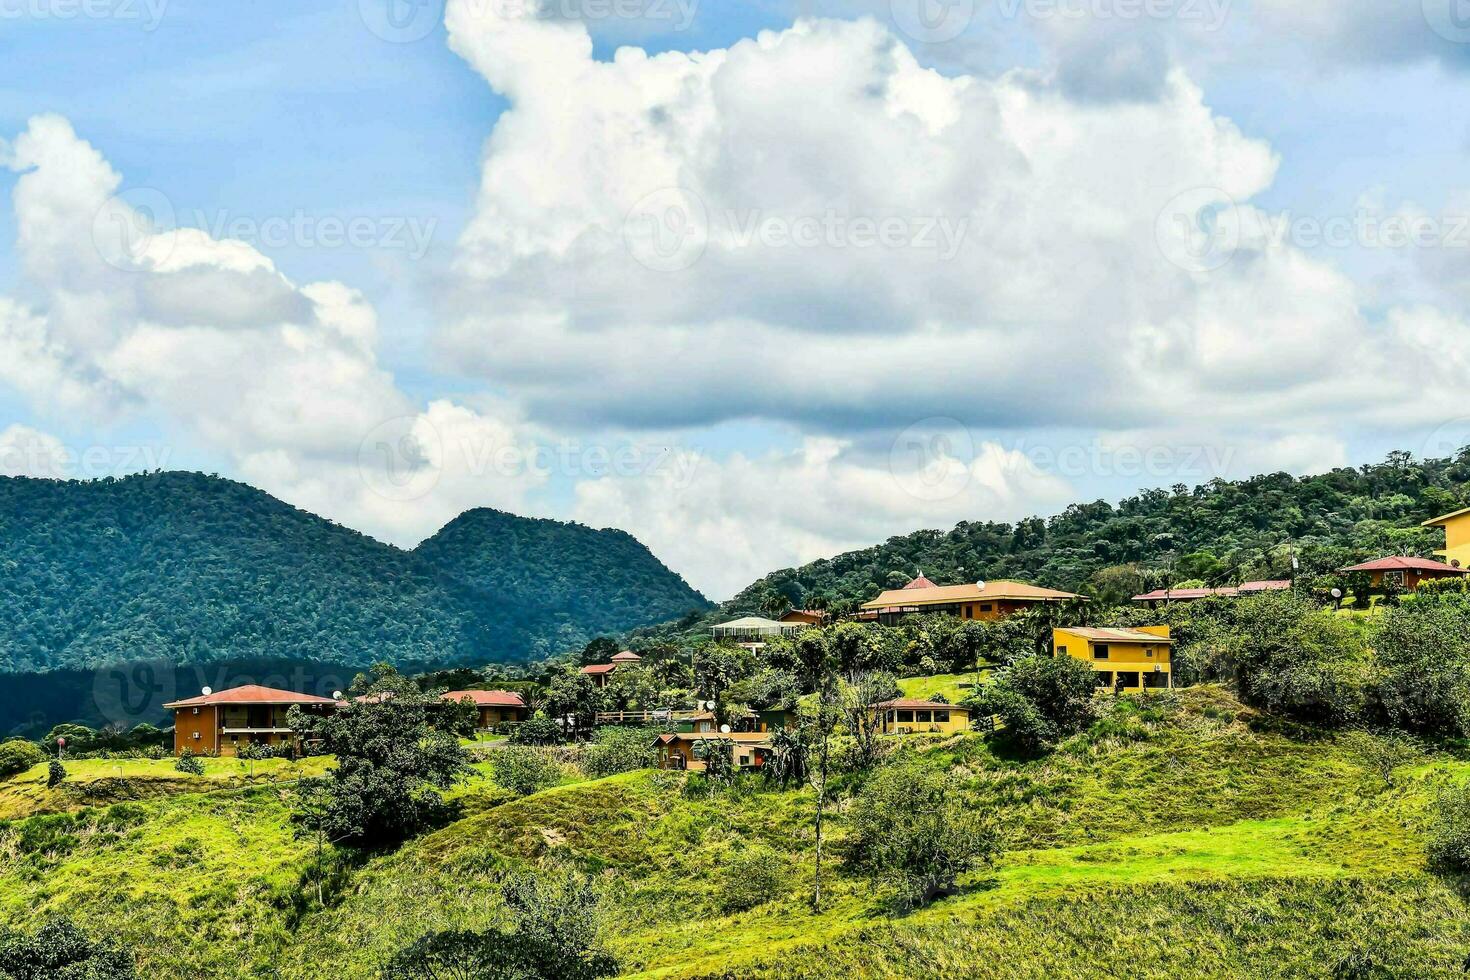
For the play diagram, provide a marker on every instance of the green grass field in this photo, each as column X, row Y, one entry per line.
column 1177, row 838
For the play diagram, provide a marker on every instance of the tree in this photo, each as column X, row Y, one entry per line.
column 19, row 755
column 619, row 749
column 576, row 697
column 599, row 651
column 911, row 827
column 1422, row 651
column 817, row 670
column 1449, row 832
column 774, row 604
column 55, row 774
column 393, row 754
column 1040, row 700
column 718, row 756
column 751, row 876
column 1383, row 755
column 536, row 730
column 58, row 950
column 716, row 668
column 189, row 764
column 553, row 935
column 862, row 717
column 790, row 750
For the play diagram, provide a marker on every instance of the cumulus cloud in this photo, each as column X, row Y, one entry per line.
column 208, row 340
column 682, row 227
column 25, row 451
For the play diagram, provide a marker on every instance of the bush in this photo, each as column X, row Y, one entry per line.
column 18, row 756
column 1423, row 655
column 60, row 950
column 538, row 730
column 524, row 770
column 189, row 763
column 752, row 876
column 619, row 750
column 1291, row 658
column 911, row 827
column 1449, row 832
column 554, row 936
column 55, row 773
column 1041, row 700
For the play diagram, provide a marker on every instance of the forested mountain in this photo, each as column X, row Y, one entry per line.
column 1217, row 533
column 188, row 568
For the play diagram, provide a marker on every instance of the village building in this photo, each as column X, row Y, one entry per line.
column 222, row 723
column 1165, row 596
column 975, row 600
column 676, row 751
column 805, row 617
column 495, row 708
column 1123, row 659
column 904, row 716
column 599, row 673
column 1405, row 573
column 752, row 632
column 1456, row 551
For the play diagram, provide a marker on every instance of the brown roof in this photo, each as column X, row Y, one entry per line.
column 250, row 694
column 921, row 583
column 599, row 668
column 943, row 594
column 488, row 699
column 625, row 657
column 907, row 703
column 1116, row 635
column 1445, row 518
column 751, row 737
column 1398, row 563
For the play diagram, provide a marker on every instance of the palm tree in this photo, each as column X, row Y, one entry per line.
column 774, row 604
column 818, row 603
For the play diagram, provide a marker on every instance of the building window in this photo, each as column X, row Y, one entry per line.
column 923, row 717
column 969, row 612
column 1100, row 652
column 1062, row 649
column 986, row 607
column 1396, row 578
column 941, row 717
column 1148, row 651
column 1105, row 678
column 1127, row 678
column 906, row 716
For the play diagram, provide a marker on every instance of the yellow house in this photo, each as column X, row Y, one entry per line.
column 976, row 600
column 905, row 715
column 1125, row 658
column 1456, row 526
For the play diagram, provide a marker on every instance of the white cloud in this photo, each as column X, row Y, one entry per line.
column 25, row 451
column 725, row 522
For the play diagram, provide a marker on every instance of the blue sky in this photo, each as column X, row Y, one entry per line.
column 827, row 396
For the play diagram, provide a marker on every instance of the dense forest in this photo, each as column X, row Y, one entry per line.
column 1215, row 534
column 187, row 568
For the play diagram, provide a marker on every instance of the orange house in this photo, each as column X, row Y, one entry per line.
column 976, row 600
column 496, row 707
column 1407, row 573
column 224, row 722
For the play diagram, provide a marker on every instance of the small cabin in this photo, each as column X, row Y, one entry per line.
column 1122, row 659
column 906, row 716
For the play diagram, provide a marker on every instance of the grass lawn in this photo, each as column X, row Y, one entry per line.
column 954, row 687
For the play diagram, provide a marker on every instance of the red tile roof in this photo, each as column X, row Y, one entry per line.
column 1266, row 585
column 1244, row 588
column 920, row 583
column 1396, row 564
column 599, row 668
column 250, row 694
column 488, row 699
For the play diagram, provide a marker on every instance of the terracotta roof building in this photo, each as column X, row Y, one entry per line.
column 975, row 600
column 1188, row 595
column 224, row 722
column 1405, row 572
column 496, row 708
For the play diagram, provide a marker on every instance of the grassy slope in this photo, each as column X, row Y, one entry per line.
column 1167, row 842
column 98, row 782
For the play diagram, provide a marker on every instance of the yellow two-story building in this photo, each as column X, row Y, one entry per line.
column 1129, row 659
column 1456, row 526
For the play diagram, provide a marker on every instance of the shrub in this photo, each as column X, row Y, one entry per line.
column 1041, row 700
column 1293, row 659
column 189, row 763
column 911, row 827
column 58, row 949
column 55, row 773
column 554, row 936
column 538, row 730
column 619, row 750
column 1449, row 832
column 752, row 876
column 1423, row 654
column 18, row 756
column 524, row 770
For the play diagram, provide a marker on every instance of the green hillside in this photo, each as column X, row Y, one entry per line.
column 1220, row 533
column 1182, row 836
column 188, row 568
